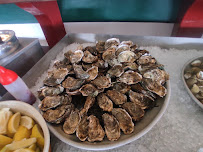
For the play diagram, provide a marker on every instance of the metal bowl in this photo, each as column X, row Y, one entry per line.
column 10, row 44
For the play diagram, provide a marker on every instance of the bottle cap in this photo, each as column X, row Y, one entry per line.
column 7, row 76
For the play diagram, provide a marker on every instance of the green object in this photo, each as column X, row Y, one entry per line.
column 101, row 11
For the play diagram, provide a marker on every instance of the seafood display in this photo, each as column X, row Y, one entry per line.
column 194, row 78
column 101, row 91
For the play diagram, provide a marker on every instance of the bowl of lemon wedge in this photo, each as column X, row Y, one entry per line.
column 22, row 128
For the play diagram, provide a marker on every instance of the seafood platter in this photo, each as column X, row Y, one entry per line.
column 104, row 95
column 192, row 75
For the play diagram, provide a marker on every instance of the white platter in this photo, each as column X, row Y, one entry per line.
column 185, row 67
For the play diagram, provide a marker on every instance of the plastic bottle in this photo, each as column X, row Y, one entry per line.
column 16, row 86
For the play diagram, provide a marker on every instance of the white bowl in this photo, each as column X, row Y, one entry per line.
column 151, row 117
column 185, row 67
column 26, row 109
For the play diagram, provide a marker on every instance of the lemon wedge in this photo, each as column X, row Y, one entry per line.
column 21, row 133
column 14, row 122
column 37, row 133
column 4, row 141
column 19, row 144
column 5, row 115
column 27, row 121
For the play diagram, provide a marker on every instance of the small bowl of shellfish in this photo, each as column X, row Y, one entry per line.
column 192, row 75
column 104, row 96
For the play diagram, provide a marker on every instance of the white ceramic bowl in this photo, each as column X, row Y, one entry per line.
column 151, row 117
column 26, row 109
column 185, row 67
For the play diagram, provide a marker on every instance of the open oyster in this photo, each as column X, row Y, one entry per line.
column 115, row 71
column 71, row 122
column 89, row 58
column 79, row 72
column 130, row 77
column 88, row 104
column 102, row 82
column 74, row 56
column 124, row 119
column 117, row 97
column 111, row 126
column 95, row 130
column 121, row 87
column 82, row 128
column 89, row 90
column 93, row 72
column 112, row 42
column 72, row 84
column 104, row 102
column 127, row 56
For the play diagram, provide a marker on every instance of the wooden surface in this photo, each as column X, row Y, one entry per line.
column 19, row 1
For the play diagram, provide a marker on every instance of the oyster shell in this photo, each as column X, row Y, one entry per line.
column 73, row 93
column 112, row 42
column 130, row 77
column 72, row 84
column 82, row 129
column 59, row 114
column 89, row 90
column 146, row 59
column 71, row 122
column 195, row 89
column 80, row 73
column 95, row 130
column 102, row 82
column 104, row 102
column 93, row 73
column 129, row 43
column 121, row 87
column 115, row 71
column 138, row 98
column 127, row 56
column 130, row 66
column 100, row 46
column 125, row 121
column 74, row 56
column 109, row 54
column 111, row 126
column 101, row 64
column 135, row 111
column 56, row 76
column 61, row 64
column 91, row 49
column 89, row 58
column 196, row 63
column 49, row 91
column 134, row 48
column 121, row 48
column 54, row 101
column 117, row 97
column 88, row 104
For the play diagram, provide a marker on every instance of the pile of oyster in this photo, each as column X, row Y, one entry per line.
column 194, row 79
column 100, row 90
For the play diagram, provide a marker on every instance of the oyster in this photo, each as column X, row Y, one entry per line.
column 59, row 114
column 93, row 73
column 95, row 130
column 86, row 66
column 195, row 89
column 54, row 101
column 100, row 47
column 111, row 126
column 104, row 102
column 71, row 122
column 130, row 66
column 127, row 56
column 82, row 129
column 196, row 63
column 80, row 73
column 134, row 48
column 88, row 104
column 72, row 84
column 142, row 100
column 146, row 59
column 61, row 64
column 89, row 90
column 73, row 93
column 121, row 48
column 102, row 82
column 129, row 43
column 135, row 111
column 56, row 76
column 109, row 54
column 117, row 97
column 49, row 91
column 89, row 58
column 125, row 121
column 121, row 87
column 115, row 71
column 155, row 87
column 130, row 77
column 91, row 49
column 112, row 42
column 101, row 64
column 74, row 56
column 157, row 75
